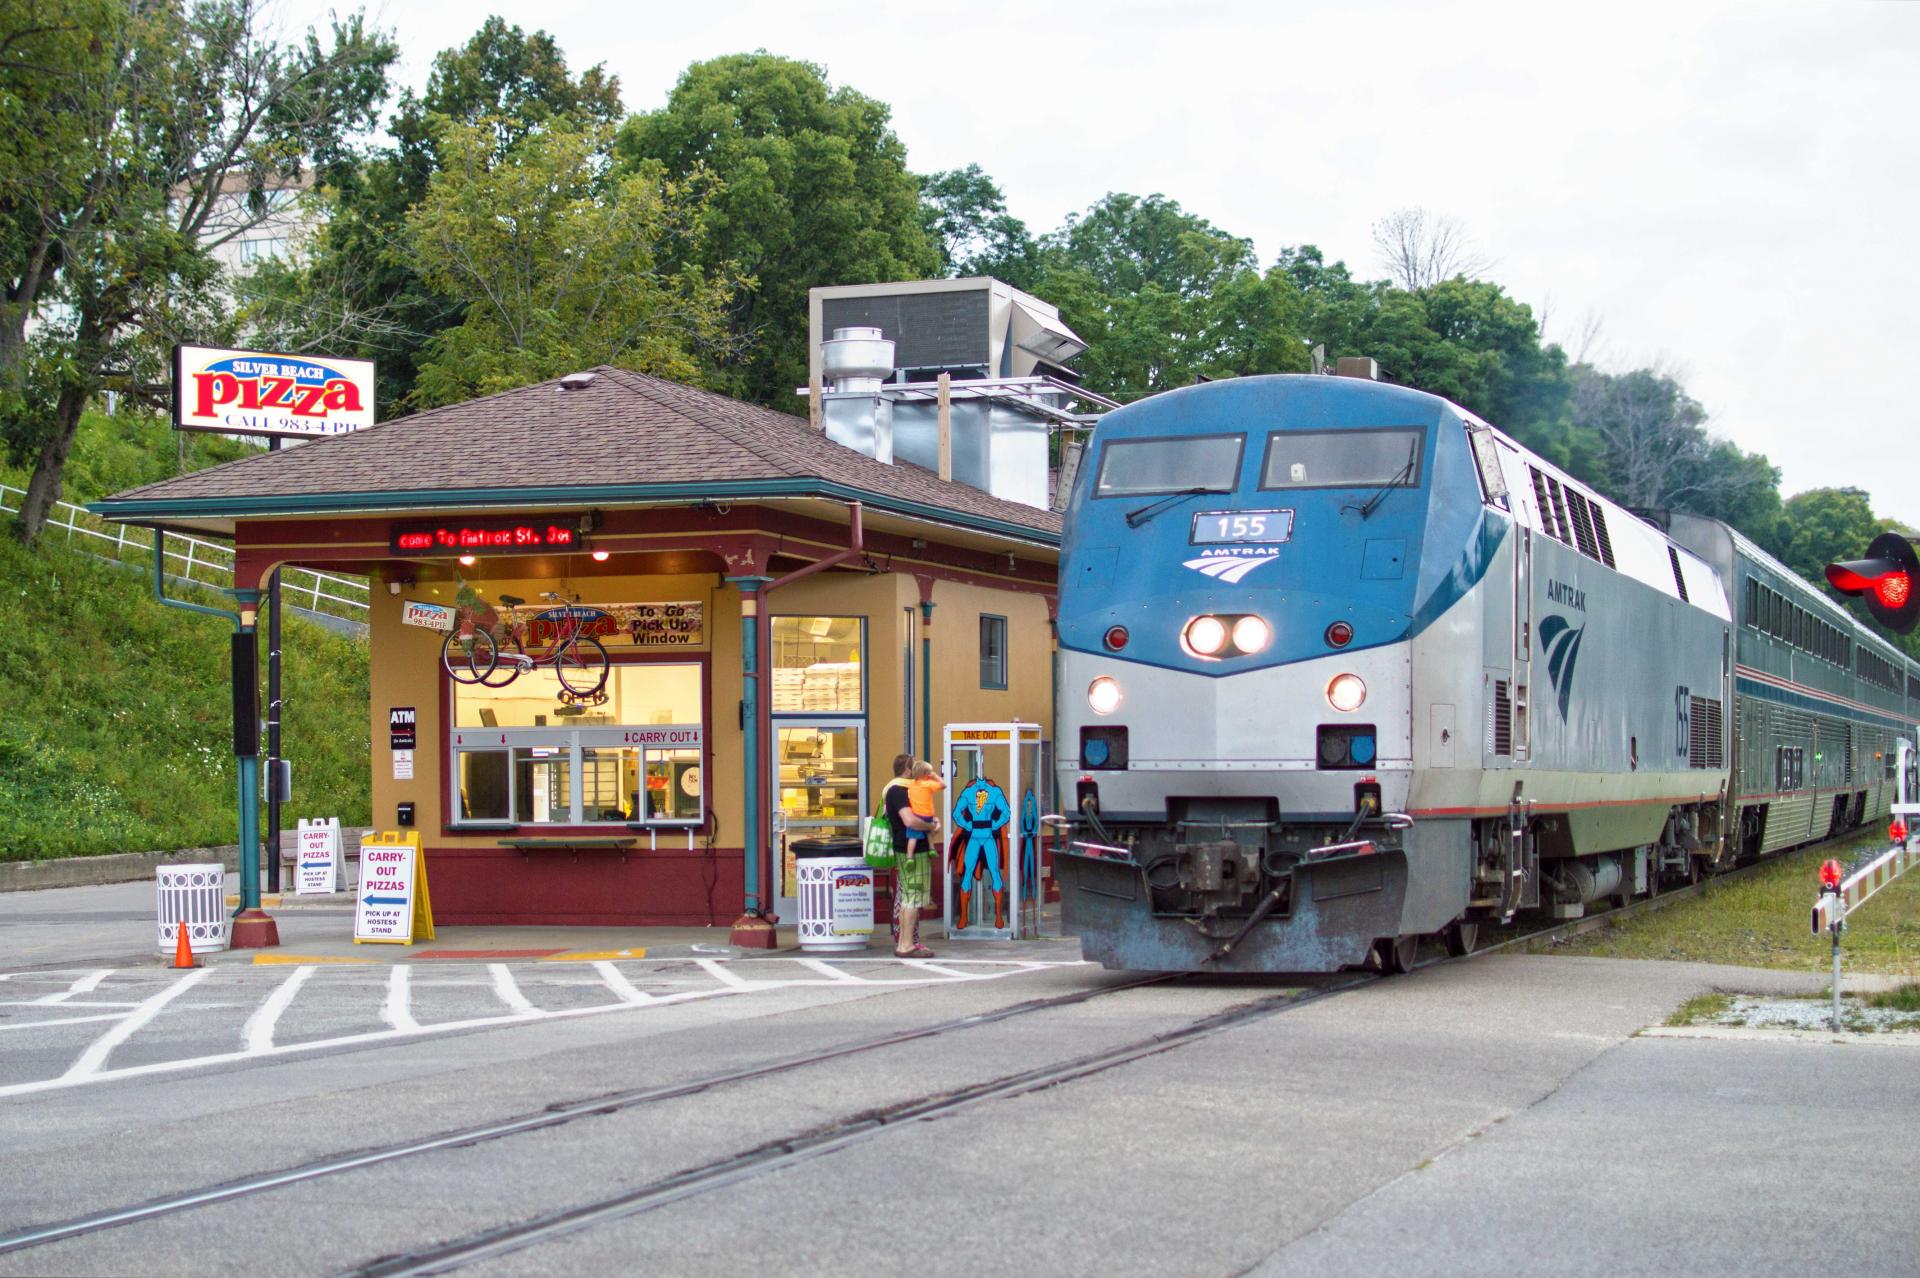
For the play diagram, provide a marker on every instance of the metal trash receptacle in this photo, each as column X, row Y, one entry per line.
column 835, row 887
column 194, row 895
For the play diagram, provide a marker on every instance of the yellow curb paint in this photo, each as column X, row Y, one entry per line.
column 268, row 960
column 264, row 900
column 594, row 956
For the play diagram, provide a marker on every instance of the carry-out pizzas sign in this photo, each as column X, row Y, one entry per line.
column 264, row 393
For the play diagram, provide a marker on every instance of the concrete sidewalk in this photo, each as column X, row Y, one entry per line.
column 114, row 925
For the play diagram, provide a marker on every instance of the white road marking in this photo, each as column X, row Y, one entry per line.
column 257, row 1036
column 71, row 1020
column 373, row 1038
column 927, row 965
column 85, row 985
column 508, row 992
column 398, row 1011
column 718, row 971
column 617, row 981
column 837, row 973
column 97, row 1052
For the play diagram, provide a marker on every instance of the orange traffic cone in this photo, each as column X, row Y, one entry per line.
column 183, row 948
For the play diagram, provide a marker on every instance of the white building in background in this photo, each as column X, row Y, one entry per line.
column 239, row 243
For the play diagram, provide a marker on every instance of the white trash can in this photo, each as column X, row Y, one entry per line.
column 196, row 896
column 836, row 894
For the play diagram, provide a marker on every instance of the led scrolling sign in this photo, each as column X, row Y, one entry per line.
column 486, row 537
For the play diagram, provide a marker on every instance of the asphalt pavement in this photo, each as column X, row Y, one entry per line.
column 1502, row 1114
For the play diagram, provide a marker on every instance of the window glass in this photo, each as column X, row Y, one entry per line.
column 674, row 785
column 483, row 785
column 817, row 665
column 993, row 651
column 1342, row 459
column 1131, row 467
column 609, row 783
column 542, row 789
column 636, row 694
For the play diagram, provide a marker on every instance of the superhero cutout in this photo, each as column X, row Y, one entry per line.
column 981, row 815
column 1030, row 857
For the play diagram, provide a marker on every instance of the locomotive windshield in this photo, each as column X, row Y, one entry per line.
column 1387, row 458
column 1133, row 467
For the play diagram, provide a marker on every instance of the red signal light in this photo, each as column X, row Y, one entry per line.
column 1830, row 876
column 1339, row 635
column 1897, row 832
column 1116, row 638
column 1893, row 590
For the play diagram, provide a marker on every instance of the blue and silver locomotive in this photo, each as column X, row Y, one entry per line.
column 1342, row 667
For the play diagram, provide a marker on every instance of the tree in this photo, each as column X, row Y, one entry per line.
column 557, row 266
column 966, row 218
column 362, row 292
column 1420, row 250
column 1164, row 297
column 815, row 191
column 184, row 117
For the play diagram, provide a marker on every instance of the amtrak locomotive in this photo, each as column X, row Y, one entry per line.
column 1342, row 667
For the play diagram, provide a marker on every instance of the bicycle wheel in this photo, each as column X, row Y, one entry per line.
column 505, row 669
column 469, row 660
column 582, row 666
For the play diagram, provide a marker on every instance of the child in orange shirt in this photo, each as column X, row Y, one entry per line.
column 921, row 792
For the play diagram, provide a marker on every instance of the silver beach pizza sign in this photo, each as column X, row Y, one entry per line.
column 267, row 393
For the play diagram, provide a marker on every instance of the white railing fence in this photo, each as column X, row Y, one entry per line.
column 206, row 563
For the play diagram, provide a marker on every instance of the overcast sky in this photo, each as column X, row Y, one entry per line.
column 1728, row 188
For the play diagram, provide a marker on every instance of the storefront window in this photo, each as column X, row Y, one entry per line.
column 817, row 665
column 523, row 755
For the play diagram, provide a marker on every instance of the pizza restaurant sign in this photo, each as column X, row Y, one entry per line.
column 263, row 393
column 628, row 625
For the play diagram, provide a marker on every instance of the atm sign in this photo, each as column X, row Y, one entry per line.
column 485, row 536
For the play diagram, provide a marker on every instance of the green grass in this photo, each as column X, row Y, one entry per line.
column 113, row 453
column 115, row 728
column 1760, row 920
column 1701, row 1007
column 1904, row 998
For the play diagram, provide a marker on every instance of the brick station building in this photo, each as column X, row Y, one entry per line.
column 782, row 616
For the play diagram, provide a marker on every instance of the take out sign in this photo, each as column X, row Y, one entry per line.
column 266, row 393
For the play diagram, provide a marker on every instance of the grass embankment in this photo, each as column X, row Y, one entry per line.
column 115, row 711
column 1760, row 920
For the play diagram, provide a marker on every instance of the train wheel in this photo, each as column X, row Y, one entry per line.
column 1397, row 956
column 1460, row 937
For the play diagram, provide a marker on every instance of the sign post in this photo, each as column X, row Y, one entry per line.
column 317, row 867
column 391, row 906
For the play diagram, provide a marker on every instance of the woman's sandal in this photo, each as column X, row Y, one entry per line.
column 918, row 951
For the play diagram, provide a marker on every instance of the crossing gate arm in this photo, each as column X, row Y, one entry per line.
column 1871, row 877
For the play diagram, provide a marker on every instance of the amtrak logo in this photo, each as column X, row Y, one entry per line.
column 1231, row 566
column 1562, row 644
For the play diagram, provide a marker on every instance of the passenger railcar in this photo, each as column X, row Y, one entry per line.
column 1342, row 667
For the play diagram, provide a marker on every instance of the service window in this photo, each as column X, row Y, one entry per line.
column 525, row 754
column 993, row 651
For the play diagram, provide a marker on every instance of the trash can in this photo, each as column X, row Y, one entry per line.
column 194, row 897
column 836, row 894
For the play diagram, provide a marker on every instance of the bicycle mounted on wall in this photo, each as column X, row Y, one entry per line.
column 491, row 650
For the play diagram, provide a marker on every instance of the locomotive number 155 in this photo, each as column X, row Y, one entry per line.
column 1221, row 527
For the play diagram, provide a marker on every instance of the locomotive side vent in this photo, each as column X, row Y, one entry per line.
column 1679, row 579
column 1705, row 740
column 1500, row 719
column 1541, row 503
column 1582, row 523
column 1600, row 531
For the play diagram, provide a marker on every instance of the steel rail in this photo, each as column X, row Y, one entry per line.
column 489, row 1244
column 548, row 1117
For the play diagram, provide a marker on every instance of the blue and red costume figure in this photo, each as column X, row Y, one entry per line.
column 981, row 815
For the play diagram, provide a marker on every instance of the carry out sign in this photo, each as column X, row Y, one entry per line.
column 264, row 393
column 391, row 904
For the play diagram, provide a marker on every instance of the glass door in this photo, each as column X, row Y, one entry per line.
column 819, row 791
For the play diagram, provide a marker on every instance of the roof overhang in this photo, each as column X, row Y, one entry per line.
column 218, row 516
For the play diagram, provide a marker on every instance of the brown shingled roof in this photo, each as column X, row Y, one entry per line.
column 624, row 428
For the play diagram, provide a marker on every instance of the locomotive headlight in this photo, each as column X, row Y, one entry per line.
column 1103, row 695
column 1346, row 692
column 1251, row 634
column 1205, row 636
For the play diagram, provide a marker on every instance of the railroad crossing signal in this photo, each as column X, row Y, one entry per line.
column 1886, row 579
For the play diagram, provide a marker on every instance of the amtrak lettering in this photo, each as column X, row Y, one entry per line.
column 1231, row 565
column 1567, row 596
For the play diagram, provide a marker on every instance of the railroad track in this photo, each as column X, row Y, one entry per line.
column 731, row 1170
column 772, row 1157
